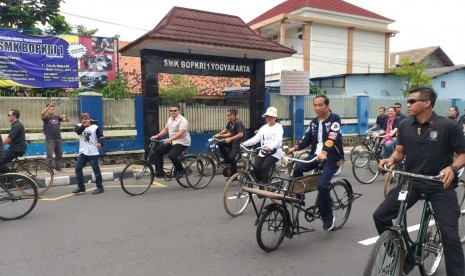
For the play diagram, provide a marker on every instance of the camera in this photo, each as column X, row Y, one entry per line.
column 93, row 122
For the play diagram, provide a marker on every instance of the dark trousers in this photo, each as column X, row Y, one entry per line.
column 174, row 154
column 54, row 146
column 262, row 168
column 93, row 161
column 446, row 215
column 8, row 156
column 329, row 167
column 229, row 152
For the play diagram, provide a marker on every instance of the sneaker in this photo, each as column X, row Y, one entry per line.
column 98, row 191
column 328, row 224
column 78, row 190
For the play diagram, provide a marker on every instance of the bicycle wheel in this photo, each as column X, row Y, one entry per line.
column 40, row 172
column 18, row 196
column 365, row 168
column 431, row 249
column 235, row 200
column 341, row 201
column 356, row 150
column 137, row 177
column 200, row 172
column 186, row 160
column 271, row 228
column 460, row 190
column 387, row 257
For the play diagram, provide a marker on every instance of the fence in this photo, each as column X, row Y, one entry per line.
column 117, row 114
column 120, row 114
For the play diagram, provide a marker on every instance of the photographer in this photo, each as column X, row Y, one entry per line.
column 91, row 139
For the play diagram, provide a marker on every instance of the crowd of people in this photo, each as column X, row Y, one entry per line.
column 416, row 140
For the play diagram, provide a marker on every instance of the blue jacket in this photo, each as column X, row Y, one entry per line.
column 332, row 137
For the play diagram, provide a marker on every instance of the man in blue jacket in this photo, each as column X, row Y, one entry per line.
column 324, row 137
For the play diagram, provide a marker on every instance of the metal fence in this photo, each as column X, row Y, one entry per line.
column 117, row 114
column 206, row 118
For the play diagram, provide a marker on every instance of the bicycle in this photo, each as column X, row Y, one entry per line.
column 460, row 190
column 213, row 157
column 389, row 253
column 367, row 144
column 281, row 218
column 18, row 196
column 38, row 170
column 137, row 177
column 235, row 200
column 365, row 165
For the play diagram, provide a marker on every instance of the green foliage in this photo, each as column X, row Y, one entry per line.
column 83, row 30
column 179, row 90
column 116, row 89
column 26, row 14
column 413, row 74
column 317, row 91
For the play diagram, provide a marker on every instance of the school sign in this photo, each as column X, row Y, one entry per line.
column 61, row 61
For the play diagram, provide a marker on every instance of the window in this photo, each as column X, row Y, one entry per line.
column 443, row 84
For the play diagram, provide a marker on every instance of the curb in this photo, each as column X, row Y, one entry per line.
column 64, row 180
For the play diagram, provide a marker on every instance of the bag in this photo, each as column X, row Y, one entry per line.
column 266, row 153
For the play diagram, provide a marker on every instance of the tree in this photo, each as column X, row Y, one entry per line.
column 26, row 14
column 179, row 90
column 413, row 74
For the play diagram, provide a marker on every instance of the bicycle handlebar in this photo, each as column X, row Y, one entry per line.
column 286, row 158
column 156, row 140
column 415, row 175
column 215, row 140
column 250, row 150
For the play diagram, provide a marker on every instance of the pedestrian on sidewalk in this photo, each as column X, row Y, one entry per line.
column 91, row 139
column 53, row 141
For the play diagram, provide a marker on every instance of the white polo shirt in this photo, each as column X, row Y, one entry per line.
column 174, row 126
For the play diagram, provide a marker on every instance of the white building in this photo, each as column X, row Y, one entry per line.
column 330, row 37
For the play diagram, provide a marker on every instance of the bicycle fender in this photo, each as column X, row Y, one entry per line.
column 346, row 181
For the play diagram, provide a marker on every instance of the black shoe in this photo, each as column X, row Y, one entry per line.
column 179, row 174
column 159, row 175
column 409, row 264
column 328, row 224
column 98, row 191
column 78, row 190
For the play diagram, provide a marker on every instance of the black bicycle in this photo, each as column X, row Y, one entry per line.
column 281, row 218
column 394, row 246
column 18, row 195
column 138, row 176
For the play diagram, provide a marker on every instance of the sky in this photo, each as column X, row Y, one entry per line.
column 420, row 23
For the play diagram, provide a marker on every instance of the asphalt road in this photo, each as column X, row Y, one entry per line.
column 175, row 231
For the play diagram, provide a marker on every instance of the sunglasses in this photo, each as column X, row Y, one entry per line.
column 228, row 115
column 412, row 101
column 174, row 110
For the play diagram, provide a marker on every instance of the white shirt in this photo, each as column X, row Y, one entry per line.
column 269, row 136
column 88, row 141
column 174, row 126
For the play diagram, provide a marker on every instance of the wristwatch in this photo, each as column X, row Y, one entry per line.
column 455, row 170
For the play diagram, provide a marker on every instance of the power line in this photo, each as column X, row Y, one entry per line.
column 103, row 21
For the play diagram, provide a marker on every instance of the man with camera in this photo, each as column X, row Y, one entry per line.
column 91, row 139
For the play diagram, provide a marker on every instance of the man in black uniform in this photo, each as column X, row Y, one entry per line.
column 16, row 139
column 428, row 143
column 381, row 120
column 399, row 115
column 234, row 134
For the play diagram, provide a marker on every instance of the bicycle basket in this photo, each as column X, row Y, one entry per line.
column 310, row 182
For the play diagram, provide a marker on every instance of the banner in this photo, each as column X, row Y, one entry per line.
column 61, row 61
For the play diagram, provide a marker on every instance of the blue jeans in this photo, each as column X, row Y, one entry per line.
column 93, row 161
column 324, row 182
column 388, row 148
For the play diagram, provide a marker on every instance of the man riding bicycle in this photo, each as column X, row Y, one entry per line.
column 428, row 143
column 16, row 139
column 324, row 137
column 178, row 141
